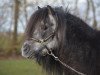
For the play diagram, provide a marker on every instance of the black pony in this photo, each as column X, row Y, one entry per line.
column 70, row 39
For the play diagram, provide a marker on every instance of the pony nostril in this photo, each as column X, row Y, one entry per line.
column 26, row 48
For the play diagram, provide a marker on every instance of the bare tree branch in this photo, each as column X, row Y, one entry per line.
column 76, row 12
column 94, row 15
column 87, row 11
column 25, row 6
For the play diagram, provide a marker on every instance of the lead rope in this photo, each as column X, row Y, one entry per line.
column 57, row 59
column 49, row 52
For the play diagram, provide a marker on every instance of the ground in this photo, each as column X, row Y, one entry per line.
column 19, row 67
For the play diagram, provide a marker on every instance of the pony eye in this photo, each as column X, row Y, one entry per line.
column 51, row 24
column 44, row 27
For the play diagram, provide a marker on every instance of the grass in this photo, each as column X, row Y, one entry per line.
column 19, row 67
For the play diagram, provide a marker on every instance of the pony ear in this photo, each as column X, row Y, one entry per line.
column 51, row 15
column 39, row 8
column 50, row 10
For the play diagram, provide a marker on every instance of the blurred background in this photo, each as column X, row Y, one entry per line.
column 14, row 15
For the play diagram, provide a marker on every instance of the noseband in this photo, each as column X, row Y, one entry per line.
column 42, row 41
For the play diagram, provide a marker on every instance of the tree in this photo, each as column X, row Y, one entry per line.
column 16, row 16
column 94, row 15
column 87, row 10
column 25, row 6
column 76, row 10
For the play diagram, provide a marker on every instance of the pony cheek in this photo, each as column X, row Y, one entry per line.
column 53, row 43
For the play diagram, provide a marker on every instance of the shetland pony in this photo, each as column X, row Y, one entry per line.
column 74, row 42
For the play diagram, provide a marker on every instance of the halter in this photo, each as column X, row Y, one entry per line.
column 49, row 51
column 42, row 41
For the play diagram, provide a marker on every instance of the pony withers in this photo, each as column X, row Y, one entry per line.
column 68, row 38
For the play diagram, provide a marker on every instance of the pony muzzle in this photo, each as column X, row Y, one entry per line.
column 44, row 52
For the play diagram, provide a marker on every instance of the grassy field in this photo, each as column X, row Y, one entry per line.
column 19, row 67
